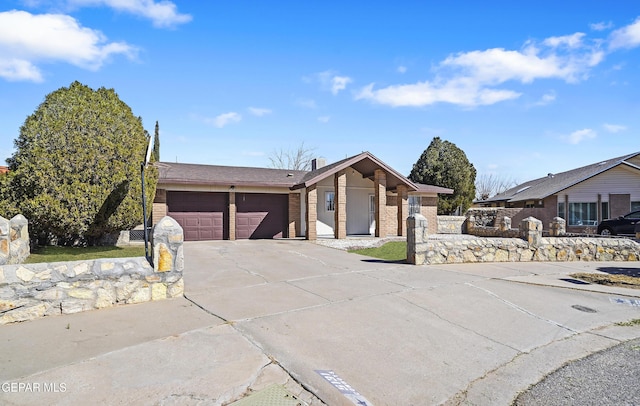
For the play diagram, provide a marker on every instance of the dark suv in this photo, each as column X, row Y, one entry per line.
column 622, row 225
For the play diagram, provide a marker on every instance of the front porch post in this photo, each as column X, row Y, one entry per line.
column 340, row 205
column 311, row 214
column 380, row 185
column 232, row 215
column 403, row 210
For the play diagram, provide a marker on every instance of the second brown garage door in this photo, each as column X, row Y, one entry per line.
column 200, row 214
column 261, row 215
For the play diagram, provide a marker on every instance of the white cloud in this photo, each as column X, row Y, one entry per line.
column 471, row 78
column 224, row 119
column 163, row 14
column 332, row 82
column 324, row 119
column 27, row 40
column 626, row 37
column 258, row 111
column 401, row 69
column 577, row 137
column 601, row 26
column 614, row 128
column 547, row 98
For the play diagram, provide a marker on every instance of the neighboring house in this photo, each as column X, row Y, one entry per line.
column 583, row 196
column 3, row 170
column 360, row 195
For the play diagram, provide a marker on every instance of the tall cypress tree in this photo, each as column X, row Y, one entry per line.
column 156, row 144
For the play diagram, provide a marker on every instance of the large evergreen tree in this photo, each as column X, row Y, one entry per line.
column 76, row 169
column 444, row 164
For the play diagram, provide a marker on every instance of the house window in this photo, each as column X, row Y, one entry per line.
column 329, row 203
column 635, row 206
column 583, row 214
column 561, row 210
column 414, row 204
column 605, row 210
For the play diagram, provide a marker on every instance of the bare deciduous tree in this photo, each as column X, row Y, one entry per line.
column 488, row 185
column 298, row 159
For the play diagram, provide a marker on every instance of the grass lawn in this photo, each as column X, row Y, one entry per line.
column 392, row 251
column 60, row 254
column 622, row 281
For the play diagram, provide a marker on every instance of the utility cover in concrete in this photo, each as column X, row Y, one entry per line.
column 274, row 395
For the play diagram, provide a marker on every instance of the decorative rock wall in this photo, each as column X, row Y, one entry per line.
column 451, row 224
column 14, row 240
column 30, row 291
column 421, row 250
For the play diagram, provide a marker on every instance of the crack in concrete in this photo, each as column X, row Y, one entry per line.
column 456, row 324
column 522, row 309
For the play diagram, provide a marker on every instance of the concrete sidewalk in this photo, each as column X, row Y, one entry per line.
column 262, row 312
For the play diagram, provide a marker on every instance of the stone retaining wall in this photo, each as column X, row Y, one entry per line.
column 451, row 224
column 531, row 246
column 29, row 291
column 14, row 240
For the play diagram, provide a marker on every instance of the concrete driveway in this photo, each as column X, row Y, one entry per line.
column 302, row 315
column 400, row 334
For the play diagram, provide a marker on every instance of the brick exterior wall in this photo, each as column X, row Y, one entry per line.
column 159, row 209
column 312, row 213
column 429, row 209
column 340, row 205
column 294, row 215
column 619, row 205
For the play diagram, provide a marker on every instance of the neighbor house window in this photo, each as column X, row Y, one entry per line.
column 561, row 210
column 604, row 206
column 414, row 204
column 329, row 203
column 635, row 206
column 583, row 214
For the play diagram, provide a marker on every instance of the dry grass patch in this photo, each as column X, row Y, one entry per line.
column 622, row 281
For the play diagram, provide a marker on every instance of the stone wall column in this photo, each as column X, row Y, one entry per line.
column 531, row 231
column 417, row 236
column 558, row 227
column 340, row 205
column 403, row 209
column 311, row 214
column 232, row 215
column 168, row 260
column 380, row 185
column 294, row 215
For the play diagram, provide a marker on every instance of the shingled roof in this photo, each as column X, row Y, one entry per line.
column 554, row 183
column 216, row 175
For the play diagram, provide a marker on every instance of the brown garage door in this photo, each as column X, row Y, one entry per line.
column 261, row 215
column 201, row 214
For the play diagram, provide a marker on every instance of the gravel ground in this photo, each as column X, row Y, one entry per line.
column 609, row 377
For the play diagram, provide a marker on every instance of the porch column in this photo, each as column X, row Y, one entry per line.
column 380, row 185
column 294, row 215
column 311, row 214
column 232, row 215
column 403, row 210
column 159, row 209
column 340, row 205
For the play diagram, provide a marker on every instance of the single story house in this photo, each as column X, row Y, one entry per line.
column 360, row 195
column 583, row 196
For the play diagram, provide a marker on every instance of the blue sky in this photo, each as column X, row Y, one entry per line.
column 524, row 88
